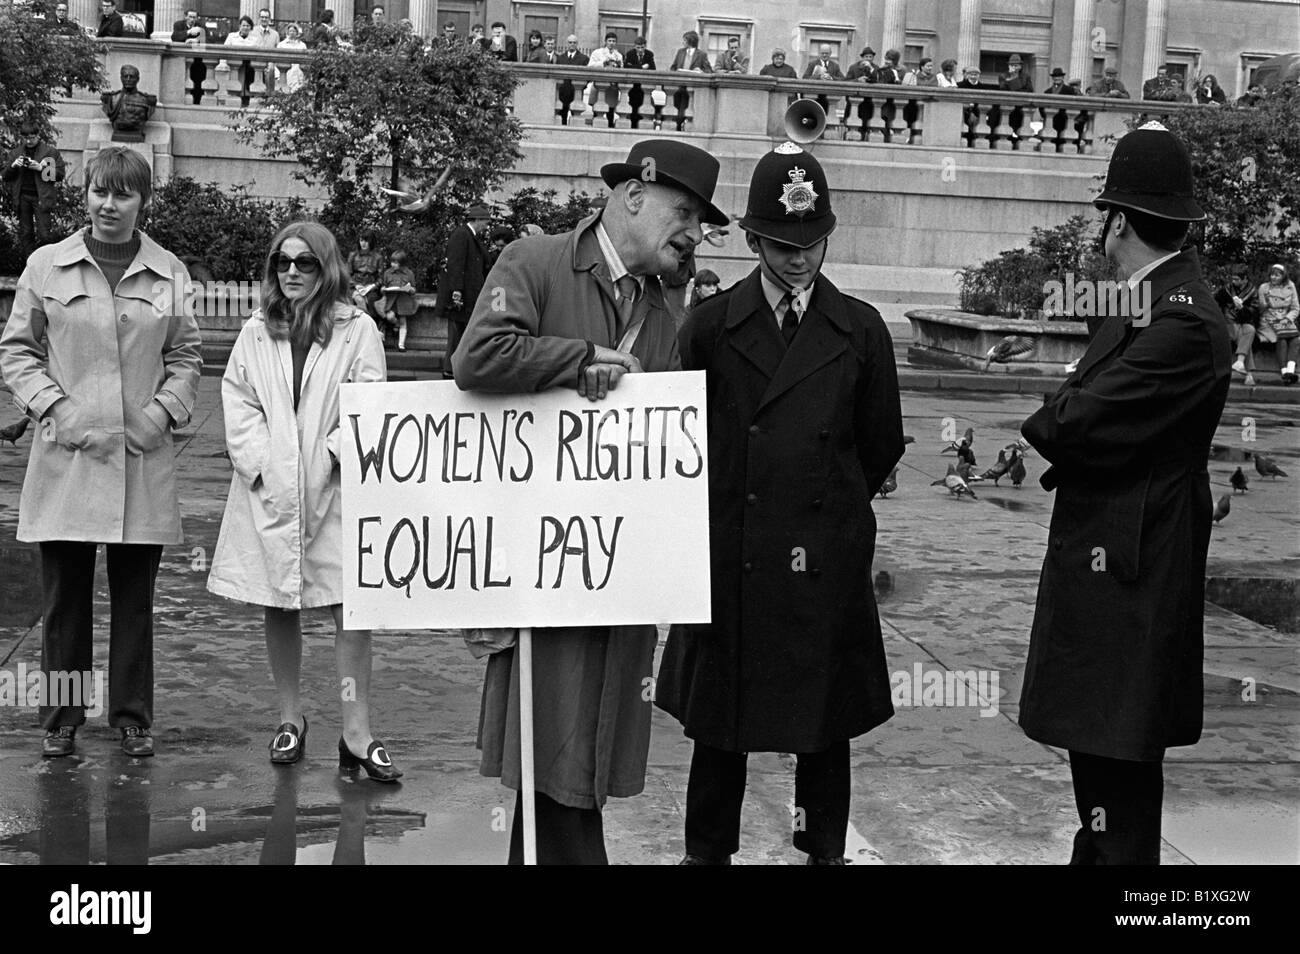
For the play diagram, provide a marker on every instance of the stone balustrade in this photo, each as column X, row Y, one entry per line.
column 692, row 103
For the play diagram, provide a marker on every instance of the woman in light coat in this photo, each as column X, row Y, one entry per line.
column 1279, row 309
column 100, row 349
column 281, row 541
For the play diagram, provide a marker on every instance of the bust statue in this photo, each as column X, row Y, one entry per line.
column 128, row 109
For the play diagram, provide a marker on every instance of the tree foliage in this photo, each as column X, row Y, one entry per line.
column 38, row 65
column 539, row 207
column 1246, row 163
column 389, row 112
column 1013, row 284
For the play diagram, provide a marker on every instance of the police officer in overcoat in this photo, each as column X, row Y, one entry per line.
column 804, row 425
column 1115, row 655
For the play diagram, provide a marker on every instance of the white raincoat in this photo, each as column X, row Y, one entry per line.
column 281, row 541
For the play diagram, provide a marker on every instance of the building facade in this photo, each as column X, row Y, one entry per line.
column 1225, row 37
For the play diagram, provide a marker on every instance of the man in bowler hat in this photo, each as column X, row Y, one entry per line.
column 580, row 310
column 1115, row 655
column 462, row 278
column 804, row 427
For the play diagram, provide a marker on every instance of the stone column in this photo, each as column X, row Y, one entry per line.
column 894, row 34
column 968, row 36
column 86, row 12
column 344, row 11
column 249, row 8
column 423, row 15
column 1157, row 33
column 165, row 13
column 1080, row 51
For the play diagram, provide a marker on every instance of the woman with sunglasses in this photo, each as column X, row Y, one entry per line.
column 281, row 542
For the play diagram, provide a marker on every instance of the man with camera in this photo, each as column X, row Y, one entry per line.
column 32, row 172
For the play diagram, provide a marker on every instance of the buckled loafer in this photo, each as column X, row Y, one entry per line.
column 59, row 742
column 289, row 743
column 137, row 742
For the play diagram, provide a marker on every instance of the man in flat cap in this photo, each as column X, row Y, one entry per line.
column 580, row 310
column 1115, row 655
column 804, row 427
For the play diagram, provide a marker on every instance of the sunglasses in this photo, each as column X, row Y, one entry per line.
column 307, row 264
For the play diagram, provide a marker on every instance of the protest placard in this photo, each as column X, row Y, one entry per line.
column 467, row 509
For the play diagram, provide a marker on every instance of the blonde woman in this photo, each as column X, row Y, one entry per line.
column 281, row 542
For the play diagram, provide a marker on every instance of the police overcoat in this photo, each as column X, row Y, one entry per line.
column 1115, row 654
column 799, row 442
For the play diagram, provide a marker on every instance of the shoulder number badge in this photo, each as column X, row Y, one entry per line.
column 798, row 196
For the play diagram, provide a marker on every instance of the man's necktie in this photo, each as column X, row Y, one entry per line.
column 626, row 303
column 790, row 319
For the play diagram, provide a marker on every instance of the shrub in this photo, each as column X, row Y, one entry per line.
column 1012, row 285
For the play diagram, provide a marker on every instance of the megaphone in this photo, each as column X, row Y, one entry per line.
column 805, row 121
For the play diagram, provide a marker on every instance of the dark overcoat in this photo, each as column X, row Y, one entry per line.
column 591, row 703
column 1116, row 651
column 467, row 268
column 799, row 442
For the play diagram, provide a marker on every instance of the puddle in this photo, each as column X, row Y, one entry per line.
column 1269, row 601
column 1015, row 506
column 20, row 585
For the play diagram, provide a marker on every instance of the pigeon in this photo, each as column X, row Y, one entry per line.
column 14, row 431
column 890, row 484
column 908, row 439
column 967, row 439
column 1267, row 467
column 1017, row 471
column 1008, row 348
column 998, row 470
column 1020, row 446
column 957, row 486
column 1238, row 481
column 1222, row 507
column 884, row 584
column 964, row 472
column 413, row 204
column 954, row 482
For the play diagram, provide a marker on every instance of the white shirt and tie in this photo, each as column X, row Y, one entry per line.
column 628, row 289
column 788, row 307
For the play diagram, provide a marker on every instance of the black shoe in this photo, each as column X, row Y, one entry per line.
column 289, row 742
column 827, row 860
column 376, row 763
column 691, row 859
column 59, row 742
column 137, row 742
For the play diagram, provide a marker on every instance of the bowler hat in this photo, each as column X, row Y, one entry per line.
column 677, row 165
column 867, row 51
column 1058, row 72
column 478, row 211
column 789, row 198
column 1151, row 171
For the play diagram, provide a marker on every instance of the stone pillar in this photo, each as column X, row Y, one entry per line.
column 1153, row 49
column 1080, row 51
column 249, row 8
column 968, row 35
column 165, row 13
column 85, row 12
column 423, row 15
column 344, row 11
column 894, row 33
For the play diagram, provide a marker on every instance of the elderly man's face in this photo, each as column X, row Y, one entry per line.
column 61, row 10
column 106, row 7
column 571, row 43
column 826, row 52
column 666, row 228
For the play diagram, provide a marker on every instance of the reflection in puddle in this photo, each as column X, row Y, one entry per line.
column 1270, row 601
column 20, row 585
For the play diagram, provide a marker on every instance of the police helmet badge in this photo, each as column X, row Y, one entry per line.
column 798, row 195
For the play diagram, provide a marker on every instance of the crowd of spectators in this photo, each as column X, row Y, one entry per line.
column 1167, row 85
